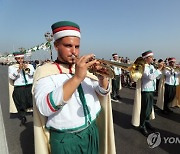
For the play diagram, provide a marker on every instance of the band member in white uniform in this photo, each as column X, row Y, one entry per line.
column 117, row 80
column 171, row 82
column 68, row 96
column 143, row 106
column 22, row 76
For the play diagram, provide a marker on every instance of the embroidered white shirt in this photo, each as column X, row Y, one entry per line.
column 149, row 78
column 171, row 77
column 71, row 114
column 18, row 78
column 117, row 70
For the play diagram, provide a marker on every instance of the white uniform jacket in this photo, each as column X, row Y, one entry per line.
column 171, row 77
column 149, row 78
column 18, row 78
column 67, row 115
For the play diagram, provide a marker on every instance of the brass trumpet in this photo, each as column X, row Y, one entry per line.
column 176, row 68
column 136, row 69
column 155, row 65
column 26, row 69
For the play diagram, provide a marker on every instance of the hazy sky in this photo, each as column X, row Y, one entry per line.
column 128, row 27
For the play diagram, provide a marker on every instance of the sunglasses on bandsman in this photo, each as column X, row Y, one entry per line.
column 19, row 57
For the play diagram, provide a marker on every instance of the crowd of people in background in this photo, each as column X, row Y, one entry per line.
column 125, row 79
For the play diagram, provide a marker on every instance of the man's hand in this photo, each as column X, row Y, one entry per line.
column 21, row 66
column 82, row 65
column 161, row 66
column 103, row 81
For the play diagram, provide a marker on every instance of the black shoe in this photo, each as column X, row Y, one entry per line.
column 165, row 112
column 23, row 121
column 148, row 126
column 170, row 111
column 114, row 99
column 144, row 131
column 118, row 97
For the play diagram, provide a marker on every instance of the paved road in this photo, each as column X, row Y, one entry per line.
column 19, row 139
column 128, row 139
column 3, row 142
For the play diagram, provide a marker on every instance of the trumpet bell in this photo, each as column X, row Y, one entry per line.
column 27, row 70
column 137, row 69
column 136, row 72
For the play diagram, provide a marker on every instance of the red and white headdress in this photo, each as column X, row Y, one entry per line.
column 18, row 54
column 147, row 54
column 65, row 28
column 172, row 59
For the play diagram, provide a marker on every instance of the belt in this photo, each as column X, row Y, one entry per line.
column 170, row 85
column 24, row 86
column 147, row 91
column 75, row 131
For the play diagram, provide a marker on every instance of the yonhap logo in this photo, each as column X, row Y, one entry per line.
column 154, row 140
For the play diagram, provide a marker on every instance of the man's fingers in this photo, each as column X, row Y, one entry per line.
column 86, row 58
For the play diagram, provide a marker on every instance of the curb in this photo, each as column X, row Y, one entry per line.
column 3, row 141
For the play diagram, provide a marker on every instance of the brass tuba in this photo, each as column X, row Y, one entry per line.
column 136, row 69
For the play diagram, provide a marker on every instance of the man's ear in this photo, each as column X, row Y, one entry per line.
column 55, row 47
column 56, row 43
